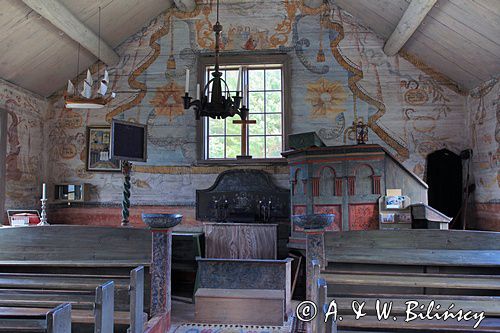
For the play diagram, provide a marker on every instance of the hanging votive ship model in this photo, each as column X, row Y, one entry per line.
column 90, row 97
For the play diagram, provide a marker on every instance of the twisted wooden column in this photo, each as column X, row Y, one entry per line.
column 126, row 169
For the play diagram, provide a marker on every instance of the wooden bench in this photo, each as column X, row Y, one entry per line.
column 56, row 320
column 399, row 266
column 46, row 289
column 79, row 250
column 92, row 302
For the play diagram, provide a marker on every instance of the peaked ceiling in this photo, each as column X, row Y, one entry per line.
column 458, row 38
column 39, row 57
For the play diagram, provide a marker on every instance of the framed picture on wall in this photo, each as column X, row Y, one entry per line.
column 99, row 150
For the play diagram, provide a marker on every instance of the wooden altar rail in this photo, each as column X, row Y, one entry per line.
column 445, row 266
column 56, row 320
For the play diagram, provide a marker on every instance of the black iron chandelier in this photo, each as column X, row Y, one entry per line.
column 218, row 106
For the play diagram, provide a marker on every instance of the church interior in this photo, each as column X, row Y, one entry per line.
column 249, row 166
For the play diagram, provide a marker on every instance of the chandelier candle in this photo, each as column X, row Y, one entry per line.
column 221, row 104
column 187, row 81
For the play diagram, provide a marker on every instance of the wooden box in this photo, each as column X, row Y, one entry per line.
column 240, row 306
column 304, row 140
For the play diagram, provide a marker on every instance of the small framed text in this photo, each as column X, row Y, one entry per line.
column 99, row 150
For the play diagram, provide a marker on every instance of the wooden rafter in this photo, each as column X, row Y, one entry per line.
column 407, row 25
column 57, row 14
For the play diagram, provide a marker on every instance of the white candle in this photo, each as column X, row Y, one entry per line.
column 244, row 95
column 44, row 191
column 187, row 80
column 239, row 79
column 197, row 91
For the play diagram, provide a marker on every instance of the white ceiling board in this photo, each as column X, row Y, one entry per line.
column 478, row 38
column 458, row 38
column 39, row 57
column 440, row 62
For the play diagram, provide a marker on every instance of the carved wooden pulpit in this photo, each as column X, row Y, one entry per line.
column 346, row 181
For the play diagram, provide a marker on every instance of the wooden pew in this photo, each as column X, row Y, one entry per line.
column 101, row 251
column 128, row 293
column 444, row 266
column 88, row 250
column 56, row 320
column 92, row 302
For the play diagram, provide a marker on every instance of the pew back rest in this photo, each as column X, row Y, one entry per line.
column 97, row 300
column 52, row 288
column 56, row 320
column 58, row 243
column 414, row 247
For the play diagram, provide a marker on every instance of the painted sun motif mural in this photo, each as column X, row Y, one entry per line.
column 168, row 101
column 326, row 98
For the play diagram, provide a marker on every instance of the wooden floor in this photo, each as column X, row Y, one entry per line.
column 181, row 313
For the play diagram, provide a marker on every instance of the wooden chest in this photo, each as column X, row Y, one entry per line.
column 305, row 140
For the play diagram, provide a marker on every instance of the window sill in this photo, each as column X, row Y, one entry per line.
column 253, row 161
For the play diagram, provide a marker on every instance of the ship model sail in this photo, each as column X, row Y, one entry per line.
column 84, row 99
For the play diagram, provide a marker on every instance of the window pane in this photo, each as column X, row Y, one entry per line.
column 257, row 146
column 265, row 106
column 273, row 146
column 256, row 104
column 231, row 80
column 256, row 79
column 233, row 146
column 273, row 102
column 273, row 79
column 216, row 147
column 232, row 129
column 256, row 129
column 215, row 126
column 273, row 124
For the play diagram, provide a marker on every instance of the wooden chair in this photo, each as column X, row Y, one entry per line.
column 31, row 320
column 444, row 266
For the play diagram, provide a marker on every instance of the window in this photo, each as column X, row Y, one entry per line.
column 3, row 149
column 263, row 87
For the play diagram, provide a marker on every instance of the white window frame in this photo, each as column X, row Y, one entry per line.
column 257, row 61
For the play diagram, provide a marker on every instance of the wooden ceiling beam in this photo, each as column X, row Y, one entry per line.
column 408, row 24
column 57, row 14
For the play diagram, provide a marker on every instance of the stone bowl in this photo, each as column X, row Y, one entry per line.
column 313, row 221
column 161, row 221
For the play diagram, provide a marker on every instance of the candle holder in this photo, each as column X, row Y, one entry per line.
column 43, row 215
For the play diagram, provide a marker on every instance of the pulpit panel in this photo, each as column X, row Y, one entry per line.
column 331, row 209
column 363, row 217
